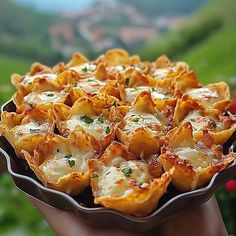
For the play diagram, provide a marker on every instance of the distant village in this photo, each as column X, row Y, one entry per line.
column 108, row 24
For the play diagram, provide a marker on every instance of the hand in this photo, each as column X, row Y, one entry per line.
column 204, row 220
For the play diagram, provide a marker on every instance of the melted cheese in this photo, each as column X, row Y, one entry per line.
column 122, row 69
column 58, row 166
column 32, row 127
column 113, row 182
column 27, row 80
column 85, row 68
column 90, row 84
column 135, row 120
column 206, row 95
column 200, row 122
column 44, row 97
column 160, row 73
column 96, row 128
column 198, row 158
column 156, row 93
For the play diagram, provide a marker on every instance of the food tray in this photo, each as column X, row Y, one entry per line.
column 170, row 204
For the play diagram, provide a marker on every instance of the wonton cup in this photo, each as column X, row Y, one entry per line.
column 137, row 133
column 219, row 126
column 27, row 129
column 91, row 115
column 68, row 157
column 41, row 98
column 125, row 193
column 192, row 164
column 212, row 96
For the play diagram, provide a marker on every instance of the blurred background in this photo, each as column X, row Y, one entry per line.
column 200, row 32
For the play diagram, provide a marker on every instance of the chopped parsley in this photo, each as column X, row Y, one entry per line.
column 127, row 81
column 100, row 119
column 117, row 120
column 107, row 131
column 136, row 119
column 94, row 175
column 108, row 173
column 68, row 156
column 91, row 80
column 153, row 89
column 127, row 171
column 31, row 104
column 193, row 120
column 69, row 161
column 85, row 69
column 50, row 95
column 86, row 119
column 34, row 131
column 30, row 83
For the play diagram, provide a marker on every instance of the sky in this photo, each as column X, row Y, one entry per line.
column 55, row 5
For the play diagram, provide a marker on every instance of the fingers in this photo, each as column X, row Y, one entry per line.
column 67, row 224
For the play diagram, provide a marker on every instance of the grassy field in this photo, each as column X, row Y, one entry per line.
column 13, row 202
column 10, row 65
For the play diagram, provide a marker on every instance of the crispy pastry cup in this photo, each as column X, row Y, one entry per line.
column 90, row 107
column 142, row 142
column 141, row 201
column 222, row 89
column 10, row 121
column 183, row 175
column 183, row 107
column 74, row 182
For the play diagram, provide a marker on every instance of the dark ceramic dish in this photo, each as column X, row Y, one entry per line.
column 170, row 204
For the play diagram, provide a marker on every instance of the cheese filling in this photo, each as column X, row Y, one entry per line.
column 44, row 97
column 117, row 181
column 200, row 122
column 84, row 68
column 135, row 120
column 160, row 73
column 121, row 69
column 156, row 93
column 206, row 95
column 29, row 79
column 32, row 127
column 90, row 84
column 62, row 164
column 96, row 126
column 198, row 158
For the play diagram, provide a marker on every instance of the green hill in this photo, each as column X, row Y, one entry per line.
column 10, row 65
column 24, row 33
column 206, row 42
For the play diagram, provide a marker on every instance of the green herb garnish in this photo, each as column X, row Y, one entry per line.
column 191, row 119
column 71, row 162
column 127, row 171
column 117, row 120
column 91, row 80
column 127, row 81
column 153, row 89
column 31, row 104
column 86, row 119
column 101, row 119
column 136, row 119
column 30, row 83
column 68, row 156
column 50, row 95
column 85, row 69
column 94, row 175
column 107, row 130
column 34, row 131
column 108, row 173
